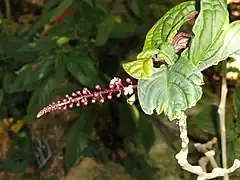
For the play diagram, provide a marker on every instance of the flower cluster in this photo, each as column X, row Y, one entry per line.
column 82, row 98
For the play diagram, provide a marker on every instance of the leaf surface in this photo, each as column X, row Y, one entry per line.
column 171, row 90
column 211, row 21
column 139, row 69
column 166, row 28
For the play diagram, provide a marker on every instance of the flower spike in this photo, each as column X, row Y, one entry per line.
column 77, row 98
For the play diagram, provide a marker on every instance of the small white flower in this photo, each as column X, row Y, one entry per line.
column 114, row 80
column 128, row 90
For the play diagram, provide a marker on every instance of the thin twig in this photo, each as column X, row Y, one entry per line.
column 221, row 112
column 8, row 9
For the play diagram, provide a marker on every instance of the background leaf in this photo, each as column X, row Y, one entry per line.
column 81, row 67
column 61, row 8
column 42, row 96
column 104, row 30
column 77, row 138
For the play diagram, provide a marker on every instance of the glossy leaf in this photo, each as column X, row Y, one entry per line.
column 171, row 90
column 139, row 69
column 104, row 30
column 166, row 28
column 208, row 28
column 77, row 138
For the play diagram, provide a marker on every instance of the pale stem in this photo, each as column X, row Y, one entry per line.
column 221, row 112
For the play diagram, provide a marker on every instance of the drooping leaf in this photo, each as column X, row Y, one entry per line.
column 104, row 30
column 139, row 69
column 171, row 90
column 166, row 28
column 77, row 138
column 208, row 28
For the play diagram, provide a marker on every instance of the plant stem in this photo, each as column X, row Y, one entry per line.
column 8, row 9
column 221, row 112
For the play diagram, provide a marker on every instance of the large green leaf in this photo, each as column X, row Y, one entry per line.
column 171, row 90
column 166, row 27
column 77, row 138
column 208, row 27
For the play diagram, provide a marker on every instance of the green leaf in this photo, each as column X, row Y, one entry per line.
column 207, row 119
column 208, row 27
column 146, row 132
column 171, row 90
column 123, row 30
column 104, row 30
column 165, row 51
column 166, row 28
column 82, row 69
column 228, row 42
column 60, row 65
column 61, row 8
column 77, row 138
column 134, row 7
column 127, row 125
column 139, row 69
column 89, row 2
column 1, row 96
column 30, row 74
column 42, row 96
column 236, row 101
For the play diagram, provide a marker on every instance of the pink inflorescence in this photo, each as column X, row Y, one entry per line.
column 78, row 98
